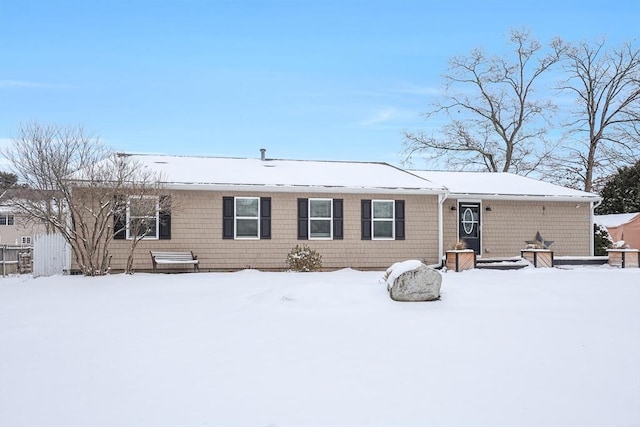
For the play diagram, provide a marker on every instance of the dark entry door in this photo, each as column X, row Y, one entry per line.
column 469, row 225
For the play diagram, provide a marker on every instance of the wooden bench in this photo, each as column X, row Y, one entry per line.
column 158, row 257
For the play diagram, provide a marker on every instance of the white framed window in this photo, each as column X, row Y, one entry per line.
column 25, row 240
column 320, row 218
column 7, row 219
column 247, row 217
column 142, row 217
column 383, row 219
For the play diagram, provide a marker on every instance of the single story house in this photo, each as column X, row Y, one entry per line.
column 622, row 227
column 496, row 213
column 237, row 213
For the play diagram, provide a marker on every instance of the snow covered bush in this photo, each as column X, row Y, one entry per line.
column 601, row 240
column 304, row 259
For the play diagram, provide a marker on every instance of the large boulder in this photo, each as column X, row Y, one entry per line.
column 413, row 281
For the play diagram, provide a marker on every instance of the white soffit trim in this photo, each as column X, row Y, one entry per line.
column 300, row 189
column 518, row 197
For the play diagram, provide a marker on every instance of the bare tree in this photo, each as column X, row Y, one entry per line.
column 494, row 121
column 604, row 132
column 72, row 184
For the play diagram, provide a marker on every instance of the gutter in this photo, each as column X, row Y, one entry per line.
column 441, row 198
column 275, row 188
column 531, row 198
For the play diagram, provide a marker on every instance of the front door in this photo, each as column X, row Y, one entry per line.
column 469, row 225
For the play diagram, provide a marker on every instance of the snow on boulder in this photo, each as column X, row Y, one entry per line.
column 413, row 281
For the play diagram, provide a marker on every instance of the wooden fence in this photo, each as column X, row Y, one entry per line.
column 16, row 259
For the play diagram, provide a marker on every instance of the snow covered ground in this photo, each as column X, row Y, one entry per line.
column 533, row 347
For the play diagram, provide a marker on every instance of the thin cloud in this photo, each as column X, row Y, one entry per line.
column 17, row 84
column 5, row 145
column 392, row 116
column 403, row 89
column 411, row 89
column 381, row 116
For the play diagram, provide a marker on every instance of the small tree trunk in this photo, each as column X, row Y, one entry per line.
column 129, row 267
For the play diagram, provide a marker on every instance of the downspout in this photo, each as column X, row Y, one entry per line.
column 592, row 221
column 441, row 198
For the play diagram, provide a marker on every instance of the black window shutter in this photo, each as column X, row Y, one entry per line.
column 164, row 218
column 303, row 218
column 119, row 218
column 265, row 217
column 366, row 219
column 399, row 219
column 338, row 227
column 227, row 217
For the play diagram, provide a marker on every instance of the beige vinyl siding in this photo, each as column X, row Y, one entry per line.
column 196, row 225
column 13, row 234
column 510, row 223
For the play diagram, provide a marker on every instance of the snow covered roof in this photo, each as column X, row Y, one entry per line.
column 285, row 175
column 615, row 220
column 6, row 197
column 502, row 185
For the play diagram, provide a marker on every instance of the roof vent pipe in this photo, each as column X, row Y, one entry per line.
column 262, row 153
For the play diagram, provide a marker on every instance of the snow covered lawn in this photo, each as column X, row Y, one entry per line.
column 533, row 347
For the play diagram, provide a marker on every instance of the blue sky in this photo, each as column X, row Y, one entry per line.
column 324, row 79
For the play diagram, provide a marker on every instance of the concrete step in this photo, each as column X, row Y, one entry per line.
column 585, row 260
column 514, row 263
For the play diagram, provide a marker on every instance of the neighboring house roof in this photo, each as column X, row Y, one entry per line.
column 502, row 185
column 285, row 175
column 5, row 197
column 23, row 193
column 615, row 220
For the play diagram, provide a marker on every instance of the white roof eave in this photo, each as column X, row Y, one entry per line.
column 526, row 197
column 302, row 188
